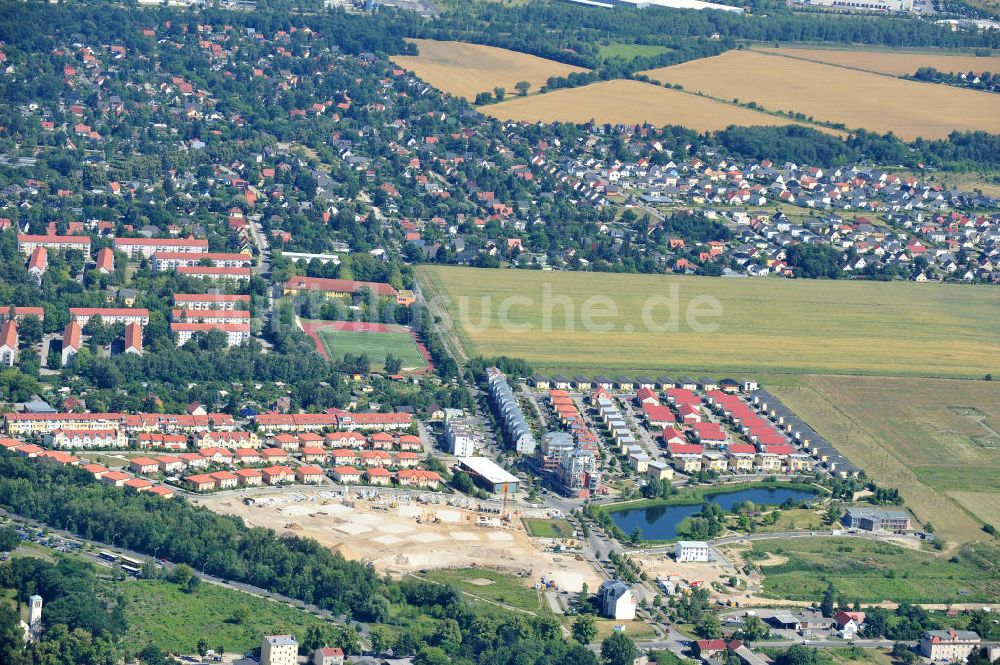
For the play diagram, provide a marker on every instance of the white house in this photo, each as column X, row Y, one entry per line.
column 692, row 550
column 616, row 601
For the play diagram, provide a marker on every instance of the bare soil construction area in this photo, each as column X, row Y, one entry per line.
column 404, row 536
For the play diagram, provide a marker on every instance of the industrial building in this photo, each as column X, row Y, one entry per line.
column 488, row 474
column 877, row 519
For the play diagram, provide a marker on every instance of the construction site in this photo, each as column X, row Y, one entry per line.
column 403, row 533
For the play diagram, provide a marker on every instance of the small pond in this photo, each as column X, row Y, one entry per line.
column 661, row 522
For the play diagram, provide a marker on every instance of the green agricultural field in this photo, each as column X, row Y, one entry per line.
column 377, row 345
column 629, row 51
column 543, row 528
column 872, row 571
column 614, row 323
column 159, row 612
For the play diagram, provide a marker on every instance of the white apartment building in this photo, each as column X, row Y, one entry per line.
column 692, row 550
column 279, row 650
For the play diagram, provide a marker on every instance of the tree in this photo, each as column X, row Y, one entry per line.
column 753, row 629
column 181, row 574
column 240, row 615
column 448, row 636
column 380, row 639
column 618, row 649
column 499, row 93
column 826, row 606
column 314, row 638
column 902, row 653
column 709, row 627
column 202, row 646
column 392, row 364
column 429, row 655
column 522, row 87
column 9, row 539
column 584, row 629
column 462, row 482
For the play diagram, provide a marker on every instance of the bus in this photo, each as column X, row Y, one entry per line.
column 108, row 556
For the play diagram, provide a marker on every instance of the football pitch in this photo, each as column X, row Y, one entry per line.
column 376, row 345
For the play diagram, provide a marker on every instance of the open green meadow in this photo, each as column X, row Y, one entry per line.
column 376, row 345
column 629, row 51
column 493, row 586
column 160, row 612
column 613, row 323
column 870, row 571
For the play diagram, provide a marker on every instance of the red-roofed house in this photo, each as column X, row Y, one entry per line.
column 143, row 465
column 274, row 475
column 116, row 478
column 346, row 475
column 418, row 478
column 8, row 343
column 708, row 432
column 313, row 454
column 250, row 477
column 345, row 439
column 309, row 473
column 672, row 435
column 658, row 416
column 138, row 485
column 97, row 469
column 105, row 261
column 225, row 480
column 38, row 263
column 273, row 455
column 378, row 476
column 201, row 482
column 328, row 656
column 133, row 338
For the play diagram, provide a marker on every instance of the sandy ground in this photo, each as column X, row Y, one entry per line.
column 407, row 537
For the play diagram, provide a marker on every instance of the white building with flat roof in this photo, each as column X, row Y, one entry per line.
column 692, row 550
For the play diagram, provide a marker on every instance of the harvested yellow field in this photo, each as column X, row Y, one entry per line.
column 465, row 70
column 836, row 94
column 629, row 102
column 897, row 63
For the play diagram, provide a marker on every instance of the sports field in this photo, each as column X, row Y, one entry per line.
column 936, row 440
column 898, row 63
column 763, row 325
column 837, row 94
column 629, row 102
column 464, row 70
column 334, row 339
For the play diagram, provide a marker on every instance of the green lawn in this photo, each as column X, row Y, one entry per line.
column 377, row 345
column 593, row 323
column 629, row 51
column 870, row 571
column 545, row 528
column 159, row 612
